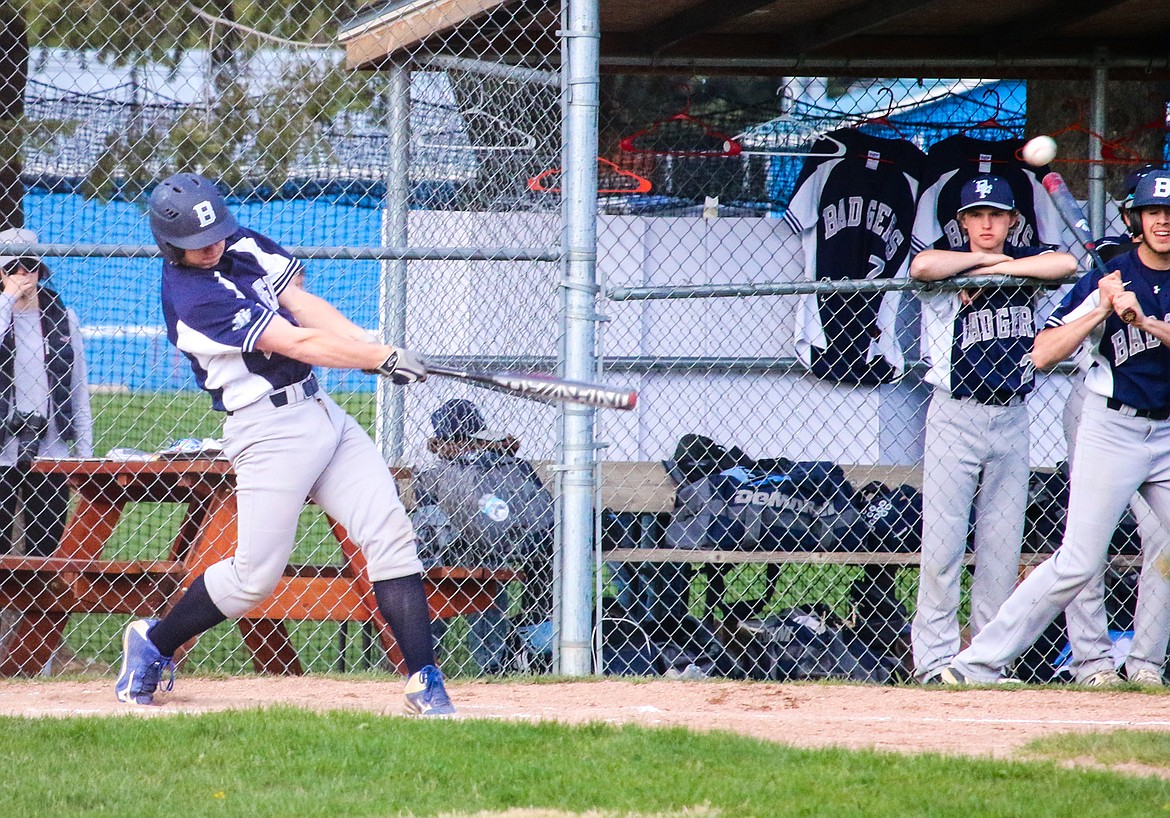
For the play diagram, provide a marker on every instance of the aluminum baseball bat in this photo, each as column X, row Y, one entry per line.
column 1074, row 217
column 543, row 388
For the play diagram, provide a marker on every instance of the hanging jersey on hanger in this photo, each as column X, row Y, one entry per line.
column 854, row 214
column 957, row 159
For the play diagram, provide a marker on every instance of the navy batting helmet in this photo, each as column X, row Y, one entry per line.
column 1133, row 224
column 187, row 213
column 1152, row 190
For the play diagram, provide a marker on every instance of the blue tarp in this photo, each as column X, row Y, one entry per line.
column 117, row 299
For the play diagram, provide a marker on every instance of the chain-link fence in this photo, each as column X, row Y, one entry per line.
column 407, row 194
column 782, row 420
column 768, row 509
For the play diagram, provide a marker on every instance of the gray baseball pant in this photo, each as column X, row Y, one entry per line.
column 974, row 454
column 1088, row 625
column 310, row 448
column 1121, row 455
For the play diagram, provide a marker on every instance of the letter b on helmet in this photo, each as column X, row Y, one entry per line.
column 187, row 213
column 1152, row 190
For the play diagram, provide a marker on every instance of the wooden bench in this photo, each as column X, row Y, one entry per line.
column 76, row 579
column 645, row 489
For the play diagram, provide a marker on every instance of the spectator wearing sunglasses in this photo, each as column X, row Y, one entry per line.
column 44, row 399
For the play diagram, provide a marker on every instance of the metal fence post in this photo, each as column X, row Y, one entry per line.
column 391, row 400
column 1097, row 124
column 581, row 41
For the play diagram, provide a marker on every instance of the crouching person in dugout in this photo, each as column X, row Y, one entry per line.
column 484, row 507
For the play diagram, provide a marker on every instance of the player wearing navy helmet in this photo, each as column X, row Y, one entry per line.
column 1086, row 617
column 1110, row 246
column 252, row 341
column 1122, row 442
column 978, row 345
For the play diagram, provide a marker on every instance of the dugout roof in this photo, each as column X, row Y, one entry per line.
column 1022, row 38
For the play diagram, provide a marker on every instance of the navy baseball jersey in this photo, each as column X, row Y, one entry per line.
column 1127, row 364
column 982, row 349
column 215, row 317
column 955, row 160
column 854, row 213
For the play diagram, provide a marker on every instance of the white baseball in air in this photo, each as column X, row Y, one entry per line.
column 1039, row 151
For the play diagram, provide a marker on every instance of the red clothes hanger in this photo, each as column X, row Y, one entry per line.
column 640, row 184
column 884, row 120
column 992, row 122
column 730, row 146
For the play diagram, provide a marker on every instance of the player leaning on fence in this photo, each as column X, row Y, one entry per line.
column 1122, row 442
column 978, row 345
column 252, row 340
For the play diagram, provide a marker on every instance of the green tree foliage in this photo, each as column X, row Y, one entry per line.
column 256, row 128
column 13, row 79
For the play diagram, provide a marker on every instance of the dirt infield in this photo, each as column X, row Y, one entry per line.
column 905, row 719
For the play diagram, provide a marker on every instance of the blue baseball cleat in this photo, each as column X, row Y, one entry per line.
column 425, row 694
column 142, row 665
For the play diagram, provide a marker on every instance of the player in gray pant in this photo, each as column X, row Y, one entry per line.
column 978, row 345
column 1123, row 441
column 252, row 338
column 1085, row 617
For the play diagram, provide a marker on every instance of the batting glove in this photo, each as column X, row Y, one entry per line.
column 402, row 367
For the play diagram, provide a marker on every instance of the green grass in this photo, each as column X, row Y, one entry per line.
column 1123, row 747
column 150, row 420
column 285, row 762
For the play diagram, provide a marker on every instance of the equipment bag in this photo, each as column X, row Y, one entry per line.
column 1047, row 508
column 892, row 517
column 819, row 513
column 767, row 505
column 803, row 643
column 1045, row 512
column 497, row 506
column 626, row 649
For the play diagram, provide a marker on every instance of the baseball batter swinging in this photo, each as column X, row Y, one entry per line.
column 252, row 341
column 1122, row 443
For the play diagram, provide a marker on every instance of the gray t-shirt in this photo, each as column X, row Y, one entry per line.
column 31, row 387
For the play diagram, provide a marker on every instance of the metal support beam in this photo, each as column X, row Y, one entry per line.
column 581, row 38
column 697, row 20
column 1097, row 125
column 390, row 414
column 344, row 252
column 999, row 66
column 813, row 36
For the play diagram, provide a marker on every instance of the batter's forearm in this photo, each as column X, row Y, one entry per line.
column 1057, row 344
column 1158, row 328
column 323, row 348
column 320, row 347
column 317, row 313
